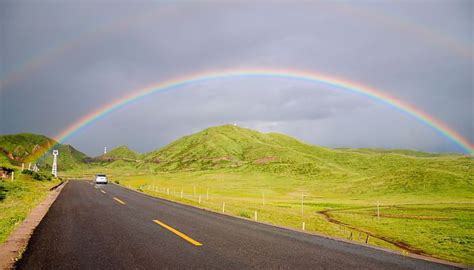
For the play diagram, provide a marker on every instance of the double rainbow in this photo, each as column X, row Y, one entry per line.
column 334, row 83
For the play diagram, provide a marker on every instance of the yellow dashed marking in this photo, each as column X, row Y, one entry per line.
column 119, row 201
column 180, row 234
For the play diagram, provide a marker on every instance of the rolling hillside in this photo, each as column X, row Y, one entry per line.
column 240, row 149
column 23, row 147
column 119, row 153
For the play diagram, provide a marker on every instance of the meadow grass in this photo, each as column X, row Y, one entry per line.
column 443, row 230
column 18, row 198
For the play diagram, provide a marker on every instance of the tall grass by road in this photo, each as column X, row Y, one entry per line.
column 18, row 198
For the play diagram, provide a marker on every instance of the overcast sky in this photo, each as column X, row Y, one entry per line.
column 62, row 59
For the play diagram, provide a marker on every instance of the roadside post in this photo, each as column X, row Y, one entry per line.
column 13, row 176
column 302, row 204
column 223, row 207
column 256, row 215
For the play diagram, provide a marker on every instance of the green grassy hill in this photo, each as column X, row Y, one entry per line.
column 230, row 146
column 25, row 147
column 385, row 171
column 119, row 153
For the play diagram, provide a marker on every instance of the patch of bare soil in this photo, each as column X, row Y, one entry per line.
column 265, row 160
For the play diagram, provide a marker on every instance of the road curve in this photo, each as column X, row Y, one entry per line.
column 110, row 227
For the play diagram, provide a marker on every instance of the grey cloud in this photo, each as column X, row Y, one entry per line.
column 127, row 45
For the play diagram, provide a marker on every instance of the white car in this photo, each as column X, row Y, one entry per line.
column 101, row 179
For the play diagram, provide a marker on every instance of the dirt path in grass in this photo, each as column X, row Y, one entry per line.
column 402, row 245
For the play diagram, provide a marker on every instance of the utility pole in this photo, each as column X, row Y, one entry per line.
column 55, row 163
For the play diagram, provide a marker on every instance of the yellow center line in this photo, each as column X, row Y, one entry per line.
column 180, row 234
column 103, row 191
column 119, row 201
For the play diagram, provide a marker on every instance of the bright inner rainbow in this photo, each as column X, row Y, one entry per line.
column 314, row 77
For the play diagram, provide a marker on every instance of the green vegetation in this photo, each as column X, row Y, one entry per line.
column 37, row 176
column 26, row 147
column 19, row 197
column 120, row 153
column 443, row 229
column 426, row 200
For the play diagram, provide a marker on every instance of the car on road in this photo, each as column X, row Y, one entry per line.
column 101, row 179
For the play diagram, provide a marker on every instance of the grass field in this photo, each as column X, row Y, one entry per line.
column 18, row 198
column 438, row 225
column 443, row 229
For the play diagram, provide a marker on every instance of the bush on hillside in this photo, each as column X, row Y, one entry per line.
column 37, row 176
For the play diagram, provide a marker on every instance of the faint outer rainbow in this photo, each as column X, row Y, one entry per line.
column 417, row 31
column 288, row 74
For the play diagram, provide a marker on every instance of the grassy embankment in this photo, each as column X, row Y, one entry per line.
column 18, row 198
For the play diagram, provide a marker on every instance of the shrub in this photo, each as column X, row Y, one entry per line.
column 28, row 172
column 37, row 176
column 244, row 214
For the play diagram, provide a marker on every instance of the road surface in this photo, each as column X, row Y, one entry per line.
column 110, row 227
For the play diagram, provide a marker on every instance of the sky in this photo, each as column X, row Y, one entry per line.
column 60, row 60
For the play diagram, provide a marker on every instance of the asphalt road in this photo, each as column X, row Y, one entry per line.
column 110, row 227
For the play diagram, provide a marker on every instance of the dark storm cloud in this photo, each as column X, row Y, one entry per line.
column 113, row 48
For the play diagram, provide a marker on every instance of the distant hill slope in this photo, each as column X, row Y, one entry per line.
column 228, row 146
column 119, row 153
column 21, row 148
